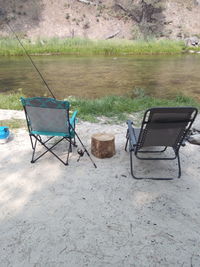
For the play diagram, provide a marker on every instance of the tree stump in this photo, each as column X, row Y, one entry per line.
column 103, row 145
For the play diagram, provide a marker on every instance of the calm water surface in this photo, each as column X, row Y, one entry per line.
column 161, row 76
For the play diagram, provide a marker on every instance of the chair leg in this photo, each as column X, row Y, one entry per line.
column 70, row 145
column 179, row 166
column 131, row 163
column 154, row 178
column 48, row 149
column 31, row 141
column 69, row 150
column 34, row 148
column 74, row 141
column 127, row 139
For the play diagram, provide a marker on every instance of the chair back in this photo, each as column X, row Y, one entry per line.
column 46, row 114
column 166, row 126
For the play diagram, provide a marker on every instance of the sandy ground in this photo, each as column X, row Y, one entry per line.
column 76, row 215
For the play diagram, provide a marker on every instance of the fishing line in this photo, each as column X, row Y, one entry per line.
column 30, row 59
column 2, row 13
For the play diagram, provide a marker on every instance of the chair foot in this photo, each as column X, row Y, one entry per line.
column 153, row 178
column 74, row 144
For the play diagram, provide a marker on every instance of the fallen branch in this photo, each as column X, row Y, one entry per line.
column 112, row 35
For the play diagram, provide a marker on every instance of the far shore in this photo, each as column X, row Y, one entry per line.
column 88, row 47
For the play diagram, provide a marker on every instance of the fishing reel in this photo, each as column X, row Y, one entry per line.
column 80, row 152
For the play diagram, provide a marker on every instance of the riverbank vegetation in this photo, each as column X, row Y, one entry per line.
column 117, row 107
column 10, row 101
column 76, row 46
column 13, row 123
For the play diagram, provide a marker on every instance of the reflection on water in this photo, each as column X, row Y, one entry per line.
column 161, row 76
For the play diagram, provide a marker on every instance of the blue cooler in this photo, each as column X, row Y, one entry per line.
column 4, row 134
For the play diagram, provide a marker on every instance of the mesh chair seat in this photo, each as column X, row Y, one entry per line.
column 49, row 117
column 161, row 127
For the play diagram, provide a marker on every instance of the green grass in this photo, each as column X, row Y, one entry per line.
column 196, row 49
column 76, row 46
column 11, row 101
column 13, row 123
column 116, row 108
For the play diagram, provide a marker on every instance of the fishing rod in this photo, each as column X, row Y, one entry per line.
column 3, row 14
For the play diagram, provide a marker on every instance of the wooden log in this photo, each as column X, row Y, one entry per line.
column 103, row 145
column 112, row 35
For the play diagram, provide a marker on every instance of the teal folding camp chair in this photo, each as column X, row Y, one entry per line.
column 49, row 118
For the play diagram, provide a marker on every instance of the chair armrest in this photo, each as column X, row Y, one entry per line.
column 131, row 132
column 73, row 118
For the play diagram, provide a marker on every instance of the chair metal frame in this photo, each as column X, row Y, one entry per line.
column 37, row 137
column 136, row 137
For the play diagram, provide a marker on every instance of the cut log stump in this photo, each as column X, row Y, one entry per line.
column 103, row 145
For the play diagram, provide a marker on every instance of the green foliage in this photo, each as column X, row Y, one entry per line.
column 13, row 123
column 114, row 107
column 195, row 48
column 76, row 46
column 11, row 101
column 118, row 106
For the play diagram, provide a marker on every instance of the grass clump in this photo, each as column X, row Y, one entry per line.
column 195, row 49
column 11, row 101
column 119, row 106
column 77, row 46
column 13, row 123
column 116, row 108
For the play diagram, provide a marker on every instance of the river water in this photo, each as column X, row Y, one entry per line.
column 91, row 77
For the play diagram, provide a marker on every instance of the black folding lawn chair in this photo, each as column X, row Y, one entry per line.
column 48, row 118
column 161, row 127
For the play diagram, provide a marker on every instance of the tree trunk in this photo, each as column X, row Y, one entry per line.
column 103, row 145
